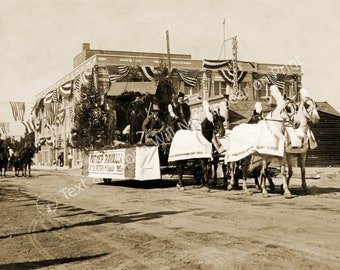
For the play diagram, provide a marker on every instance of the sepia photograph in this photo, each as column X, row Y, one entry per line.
column 188, row 134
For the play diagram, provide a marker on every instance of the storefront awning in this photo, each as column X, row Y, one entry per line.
column 118, row 88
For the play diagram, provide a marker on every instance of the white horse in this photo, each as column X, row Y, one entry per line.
column 307, row 113
column 265, row 139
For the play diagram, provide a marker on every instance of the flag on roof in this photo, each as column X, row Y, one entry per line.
column 117, row 73
column 29, row 125
column 18, row 110
column 188, row 76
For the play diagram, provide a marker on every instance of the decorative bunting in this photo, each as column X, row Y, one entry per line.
column 51, row 96
column 86, row 78
column 150, row 72
column 216, row 64
column 188, row 76
column 228, row 76
column 117, row 73
column 66, row 89
column 18, row 110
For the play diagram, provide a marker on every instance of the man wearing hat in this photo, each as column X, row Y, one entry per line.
column 153, row 125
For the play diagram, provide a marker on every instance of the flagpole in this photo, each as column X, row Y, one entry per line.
column 168, row 52
column 225, row 55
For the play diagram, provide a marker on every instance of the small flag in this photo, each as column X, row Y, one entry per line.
column 5, row 127
column 117, row 73
column 188, row 76
column 29, row 125
column 18, row 110
column 51, row 112
column 60, row 116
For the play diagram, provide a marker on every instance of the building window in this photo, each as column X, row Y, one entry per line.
column 219, row 88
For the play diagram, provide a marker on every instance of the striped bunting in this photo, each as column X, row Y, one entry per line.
column 66, row 89
column 277, row 79
column 117, row 73
column 86, row 78
column 150, row 72
column 60, row 116
column 76, row 88
column 188, row 76
column 29, row 125
column 51, row 112
column 228, row 76
column 216, row 64
column 18, row 110
column 51, row 96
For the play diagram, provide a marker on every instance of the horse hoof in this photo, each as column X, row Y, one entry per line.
column 247, row 192
column 265, row 195
column 207, row 189
column 178, row 186
column 181, row 189
column 287, row 195
column 229, row 187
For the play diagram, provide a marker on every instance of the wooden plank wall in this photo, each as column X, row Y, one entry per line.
column 327, row 134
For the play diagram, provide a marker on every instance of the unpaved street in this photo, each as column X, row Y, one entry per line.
column 153, row 225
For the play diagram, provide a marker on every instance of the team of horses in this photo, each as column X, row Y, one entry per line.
column 288, row 114
column 20, row 161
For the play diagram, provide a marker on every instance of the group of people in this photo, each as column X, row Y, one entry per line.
column 178, row 116
column 145, row 126
column 61, row 159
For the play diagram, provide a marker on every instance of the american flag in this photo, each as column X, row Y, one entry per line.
column 60, row 116
column 18, row 110
column 29, row 125
column 188, row 76
column 51, row 110
column 117, row 73
column 277, row 79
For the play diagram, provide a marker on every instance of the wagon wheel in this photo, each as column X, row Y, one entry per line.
column 107, row 180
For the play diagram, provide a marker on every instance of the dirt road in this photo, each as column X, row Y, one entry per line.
column 58, row 219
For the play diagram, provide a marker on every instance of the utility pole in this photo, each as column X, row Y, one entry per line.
column 235, row 82
column 168, row 52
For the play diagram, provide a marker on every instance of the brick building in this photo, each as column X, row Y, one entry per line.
column 208, row 79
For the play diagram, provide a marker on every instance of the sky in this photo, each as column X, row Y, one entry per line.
column 39, row 38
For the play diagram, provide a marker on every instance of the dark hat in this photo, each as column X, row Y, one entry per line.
column 181, row 94
column 155, row 107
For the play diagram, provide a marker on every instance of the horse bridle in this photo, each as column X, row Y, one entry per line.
column 290, row 109
column 309, row 105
